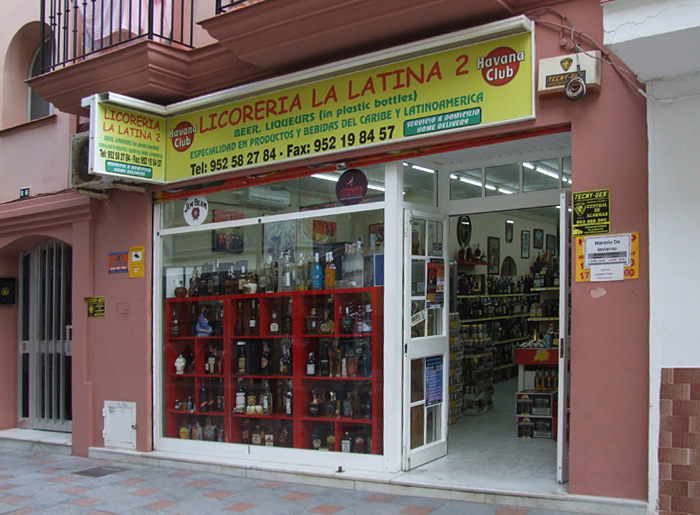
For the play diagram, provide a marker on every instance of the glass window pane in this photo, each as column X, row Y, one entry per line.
column 418, row 317
column 308, row 193
column 541, row 175
column 417, row 380
column 566, row 172
column 418, row 237
column 467, row 184
column 419, row 184
column 417, row 426
column 502, row 180
column 435, row 238
column 417, row 278
column 434, row 322
column 434, row 424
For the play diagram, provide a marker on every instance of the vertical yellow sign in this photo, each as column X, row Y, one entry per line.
column 137, row 261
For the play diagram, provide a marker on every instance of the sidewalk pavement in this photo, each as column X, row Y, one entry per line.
column 55, row 484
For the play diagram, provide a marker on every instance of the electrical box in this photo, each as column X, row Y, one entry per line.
column 555, row 72
column 119, row 424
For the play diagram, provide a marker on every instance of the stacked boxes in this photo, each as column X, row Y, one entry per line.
column 478, row 370
column 536, row 412
column 455, row 379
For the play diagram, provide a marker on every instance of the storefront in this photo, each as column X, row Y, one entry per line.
column 302, row 295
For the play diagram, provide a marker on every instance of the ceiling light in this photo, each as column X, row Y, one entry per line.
column 373, row 187
column 453, row 176
column 529, row 165
column 470, row 181
column 423, row 169
column 548, row 173
column 506, row 191
column 489, row 187
column 509, row 221
column 326, row 177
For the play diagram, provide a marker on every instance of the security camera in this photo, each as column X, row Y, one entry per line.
column 575, row 88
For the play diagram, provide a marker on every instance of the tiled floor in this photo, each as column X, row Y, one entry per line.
column 43, row 483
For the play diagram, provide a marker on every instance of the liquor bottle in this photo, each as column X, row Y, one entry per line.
column 266, row 399
column 316, row 440
column 330, row 441
column 253, row 320
column 330, row 272
column 311, row 365
column 220, row 434
column 265, row 278
column 324, row 369
column 269, row 438
column 288, row 398
column 190, row 404
column 220, row 397
column 240, row 398
column 346, row 443
column 210, row 365
column 184, row 431
column 213, row 284
column 346, row 323
column 312, row 322
column 180, row 291
column 316, row 274
column 355, row 403
column 285, row 363
column 265, row 360
column 300, row 273
column 286, row 279
column 326, row 325
column 208, row 430
column 245, row 431
column 241, row 365
column 251, row 399
column 314, row 405
column 330, row 407
column 346, row 406
column 360, row 444
column 175, row 325
column 283, row 437
column 192, row 325
column 194, row 289
column 352, row 363
column 334, row 360
column 287, row 319
column 358, row 266
column 368, row 407
column 256, row 437
column 238, row 329
column 203, row 402
column 367, row 319
column 274, row 328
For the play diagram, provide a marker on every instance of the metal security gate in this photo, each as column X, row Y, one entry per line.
column 45, row 337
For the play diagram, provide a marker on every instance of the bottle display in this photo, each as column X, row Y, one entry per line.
column 231, row 348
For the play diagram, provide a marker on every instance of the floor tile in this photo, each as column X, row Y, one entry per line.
column 326, row 509
column 240, row 507
column 381, row 498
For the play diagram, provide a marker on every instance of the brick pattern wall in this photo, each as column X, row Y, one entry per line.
column 679, row 442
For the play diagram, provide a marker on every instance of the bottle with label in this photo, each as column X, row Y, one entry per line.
column 245, row 432
column 287, row 273
column 253, row 320
column 314, row 405
column 256, row 437
column 316, row 274
column 346, row 323
column 283, row 436
column 220, row 397
column 326, row 325
column 274, row 328
column 330, row 441
column 316, row 440
column 288, row 397
column 265, row 360
column 266, row 399
column 358, row 266
column 334, row 359
column 360, row 444
column 240, row 398
column 238, row 329
column 367, row 319
column 351, row 363
column 346, row 443
column 269, row 438
column 175, row 325
column 210, row 364
column 330, row 407
column 330, row 271
column 195, row 285
column 184, row 431
column 287, row 319
column 311, row 365
column 214, row 279
column 285, row 363
column 265, row 278
column 324, row 362
column 312, row 322
column 241, row 366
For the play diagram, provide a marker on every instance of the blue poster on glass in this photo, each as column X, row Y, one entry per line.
column 433, row 380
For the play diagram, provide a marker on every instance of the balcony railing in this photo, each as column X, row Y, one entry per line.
column 80, row 28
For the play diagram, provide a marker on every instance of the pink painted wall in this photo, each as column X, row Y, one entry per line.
column 9, row 351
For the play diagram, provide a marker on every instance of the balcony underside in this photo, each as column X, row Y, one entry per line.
column 260, row 40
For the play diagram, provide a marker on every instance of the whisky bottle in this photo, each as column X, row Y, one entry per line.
column 269, row 438
column 253, row 322
column 360, row 444
column 242, row 281
column 240, row 398
column 346, row 323
column 312, row 322
column 175, row 325
column 256, row 438
column 245, row 431
column 324, row 369
column 180, row 291
column 326, row 325
column 220, row 397
column 314, row 405
column 316, row 440
column 194, row 289
column 351, row 363
column 330, row 407
column 330, row 272
column 266, row 399
column 330, row 441
column 346, row 443
column 265, row 360
column 287, row 320
column 274, row 328
column 285, row 364
column 311, row 365
column 210, row 364
column 283, row 436
column 238, row 330
column 288, row 398
column 229, row 282
column 241, row 366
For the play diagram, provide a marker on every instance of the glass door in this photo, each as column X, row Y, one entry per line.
column 426, row 339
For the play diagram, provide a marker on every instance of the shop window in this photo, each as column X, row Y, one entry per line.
column 419, row 184
column 502, row 180
column 566, row 172
column 541, row 175
column 273, row 330
column 467, row 184
column 311, row 192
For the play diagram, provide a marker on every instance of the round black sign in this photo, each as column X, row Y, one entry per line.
column 351, row 187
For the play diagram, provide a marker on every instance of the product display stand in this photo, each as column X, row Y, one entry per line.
column 456, row 374
column 298, row 369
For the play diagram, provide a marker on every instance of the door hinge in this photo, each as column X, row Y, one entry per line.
column 405, row 348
